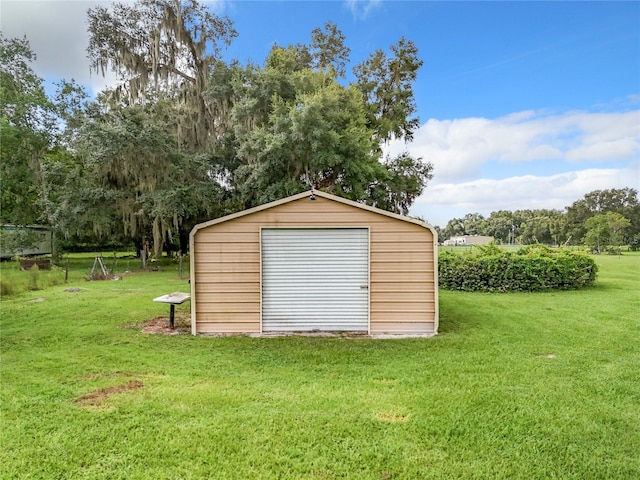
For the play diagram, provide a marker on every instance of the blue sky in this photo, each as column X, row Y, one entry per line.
column 522, row 104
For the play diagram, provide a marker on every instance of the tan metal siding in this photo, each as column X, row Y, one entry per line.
column 400, row 277
column 403, row 298
column 227, row 277
column 232, row 247
column 229, row 257
column 234, row 325
column 229, row 307
column 404, row 328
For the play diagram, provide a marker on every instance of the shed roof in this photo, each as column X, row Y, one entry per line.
column 309, row 193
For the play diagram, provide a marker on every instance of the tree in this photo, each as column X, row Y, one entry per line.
column 26, row 122
column 386, row 86
column 404, row 181
column 40, row 175
column 501, row 226
column 263, row 132
column 152, row 142
column 474, row 224
column 454, row 228
column 328, row 49
column 541, row 226
column 470, row 224
column 134, row 167
column 296, row 128
column 623, row 201
column 317, row 139
column 163, row 45
column 605, row 230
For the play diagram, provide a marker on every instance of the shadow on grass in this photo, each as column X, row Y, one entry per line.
column 456, row 318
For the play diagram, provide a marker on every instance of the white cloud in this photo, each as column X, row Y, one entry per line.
column 57, row 33
column 362, row 8
column 463, row 150
column 459, row 148
column 442, row 202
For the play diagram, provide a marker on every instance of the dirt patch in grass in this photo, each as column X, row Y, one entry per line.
column 385, row 381
column 95, row 376
column 161, row 325
column 182, row 325
column 95, row 399
column 392, row 417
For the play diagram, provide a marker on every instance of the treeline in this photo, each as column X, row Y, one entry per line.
column 186, row 136
column 601, row 219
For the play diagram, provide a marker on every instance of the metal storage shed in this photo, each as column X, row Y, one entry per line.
column 314, row 262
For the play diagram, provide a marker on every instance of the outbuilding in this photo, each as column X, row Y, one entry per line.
column 314, row 262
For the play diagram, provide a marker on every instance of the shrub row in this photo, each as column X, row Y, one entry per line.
column 532, row 268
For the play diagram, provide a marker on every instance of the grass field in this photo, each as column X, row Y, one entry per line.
column 516, row 386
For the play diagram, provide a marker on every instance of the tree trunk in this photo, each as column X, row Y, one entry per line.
column 144, row 252
column 138, row 243
column 184, row 241
column 54, row 247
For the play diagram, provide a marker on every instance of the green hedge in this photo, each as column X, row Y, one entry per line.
column 530, row 269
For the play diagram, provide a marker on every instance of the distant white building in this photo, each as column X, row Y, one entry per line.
column 468, row 240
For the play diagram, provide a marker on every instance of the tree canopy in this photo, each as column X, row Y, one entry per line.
column 186, row 136
column 26, row 124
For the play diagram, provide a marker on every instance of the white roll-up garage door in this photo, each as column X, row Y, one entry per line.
column 315, row 279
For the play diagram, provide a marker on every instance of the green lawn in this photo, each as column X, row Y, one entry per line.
column 529, row 386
